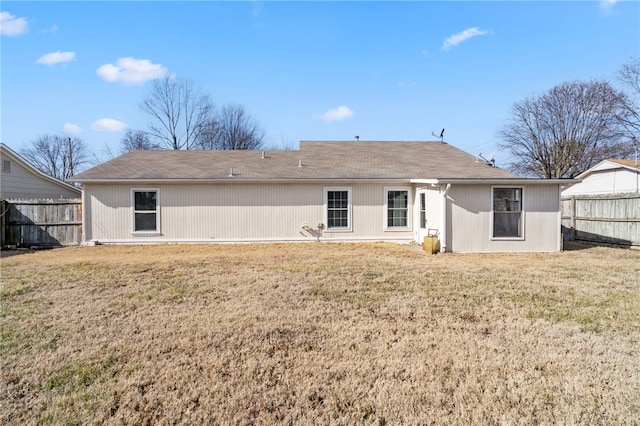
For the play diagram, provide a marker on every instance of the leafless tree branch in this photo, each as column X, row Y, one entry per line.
column 566, row 130
column 57, row 156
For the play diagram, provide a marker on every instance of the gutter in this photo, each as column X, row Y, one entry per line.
column 240, row 180
column 443, row 219
column 496, row 181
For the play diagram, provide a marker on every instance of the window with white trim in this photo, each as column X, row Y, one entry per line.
column 337, row 203
column 507, row 213
column 423, row 210
column 397, row 208
column 145, row 211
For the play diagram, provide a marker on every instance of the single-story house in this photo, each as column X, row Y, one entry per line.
column 333, row 191
column 607, row 177
column 20, row 180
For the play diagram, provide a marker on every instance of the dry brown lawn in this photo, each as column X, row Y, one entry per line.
column 319, row 333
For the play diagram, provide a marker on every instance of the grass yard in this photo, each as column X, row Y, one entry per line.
column 319, row 333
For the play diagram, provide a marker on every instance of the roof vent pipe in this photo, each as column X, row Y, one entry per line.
column 231, row 172
column 357, row 138
column 300, row 163
column 263, row 156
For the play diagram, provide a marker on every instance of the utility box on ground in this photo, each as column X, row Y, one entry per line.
column 431, row 243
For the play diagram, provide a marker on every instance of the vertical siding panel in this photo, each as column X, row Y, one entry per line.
column 214, row 212
column 471, row 220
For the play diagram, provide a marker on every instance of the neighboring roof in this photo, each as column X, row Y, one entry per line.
column 8, row 152
column 630, row 164
column 314, row 161
column 610, row 164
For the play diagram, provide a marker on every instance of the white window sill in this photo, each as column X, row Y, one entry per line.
column 146, row 234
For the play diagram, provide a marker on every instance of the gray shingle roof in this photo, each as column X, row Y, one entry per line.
column 320, row 160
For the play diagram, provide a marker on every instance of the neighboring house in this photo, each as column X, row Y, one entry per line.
column 337, row 191
column 20, row 180
column 607, row 177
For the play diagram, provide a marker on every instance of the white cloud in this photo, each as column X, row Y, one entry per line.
column 131, row 71
column 608, row 4
column 56, row 58
column 456, row 39
column 108, row 125
column 12, row 26
column 71, row 129
column 335, row 114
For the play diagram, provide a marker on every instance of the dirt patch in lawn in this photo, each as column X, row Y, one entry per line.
column 319, row 333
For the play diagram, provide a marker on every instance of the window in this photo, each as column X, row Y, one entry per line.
column 507, row 213
column 423, row 210
column 145, row 211
column 6, row 166
column 397, row 208
column 338, row 208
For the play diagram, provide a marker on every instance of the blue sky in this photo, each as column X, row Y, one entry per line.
column 304, row 70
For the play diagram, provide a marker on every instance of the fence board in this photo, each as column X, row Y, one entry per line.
column 49, row 222
column 604, row 218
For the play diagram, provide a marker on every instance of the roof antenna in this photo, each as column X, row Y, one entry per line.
column 441, row 135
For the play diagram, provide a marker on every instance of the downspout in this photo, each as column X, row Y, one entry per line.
column 443, row 220
column 83, row 206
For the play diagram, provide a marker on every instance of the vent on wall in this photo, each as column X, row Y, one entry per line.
column 6, row 166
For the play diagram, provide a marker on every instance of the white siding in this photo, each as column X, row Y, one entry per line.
column 235, row 212
column 611, row 181
column 22, row 183
column 469, row 217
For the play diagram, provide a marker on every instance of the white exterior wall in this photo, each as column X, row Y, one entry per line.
column 236, row 212
column 20, row 182
column 469, row 220
column 608, row 181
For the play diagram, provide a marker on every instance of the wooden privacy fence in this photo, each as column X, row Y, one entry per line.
column 611, row 219
column 41, row 222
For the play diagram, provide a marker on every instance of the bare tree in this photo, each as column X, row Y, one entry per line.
column 57, row 156
column 629, row 75
column 235, row 129
column 179, row 111
column 134, row 140
column 566, row 130
column 211, row 136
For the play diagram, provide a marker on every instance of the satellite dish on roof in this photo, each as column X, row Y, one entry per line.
column 489, row 160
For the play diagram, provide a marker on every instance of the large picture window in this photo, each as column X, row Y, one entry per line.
column 507, row 213
column 338, row 208
column 145, row 211
column 397, row 208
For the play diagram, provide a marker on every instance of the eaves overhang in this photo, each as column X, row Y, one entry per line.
column 235, row 179
column 495, row 181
